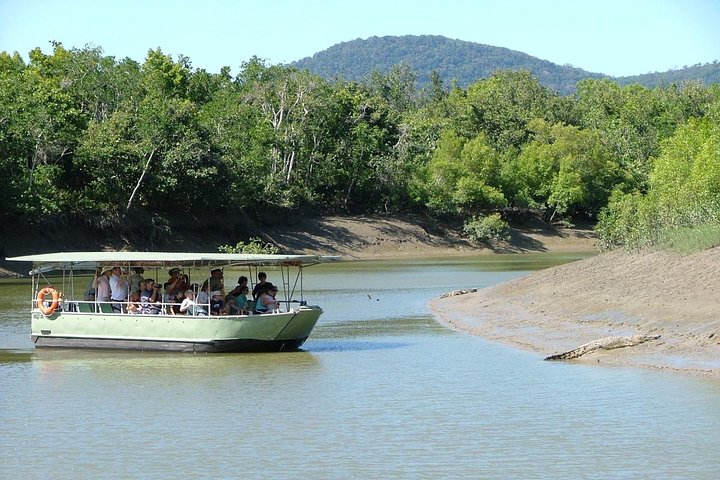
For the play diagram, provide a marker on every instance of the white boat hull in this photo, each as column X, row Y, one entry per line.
column 267, row 332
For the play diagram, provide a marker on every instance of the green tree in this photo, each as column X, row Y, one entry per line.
column 151, row 152
column 397, row 88
column 502, row 106
column 14, row 144
column 564, row 170
column 288, row 100
column 685, row 181
column 40, row 123
column 634, row 120
column 684, row 188
column 361, row 172
column 464, row 176
column 243, row 140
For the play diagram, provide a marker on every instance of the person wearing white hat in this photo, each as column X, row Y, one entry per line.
column 217, row 304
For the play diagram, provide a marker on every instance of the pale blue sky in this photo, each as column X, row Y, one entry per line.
column 614, row 37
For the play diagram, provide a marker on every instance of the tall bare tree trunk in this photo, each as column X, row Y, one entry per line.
column 139, row 182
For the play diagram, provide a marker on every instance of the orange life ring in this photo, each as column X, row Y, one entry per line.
column 41, row 300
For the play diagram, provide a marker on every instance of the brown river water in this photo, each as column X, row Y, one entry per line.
column 380, row 390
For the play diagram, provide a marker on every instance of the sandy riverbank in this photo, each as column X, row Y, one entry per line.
column 616, row 293
column 385, row 236
column 354, row 238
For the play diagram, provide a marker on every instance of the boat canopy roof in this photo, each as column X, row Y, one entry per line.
column 90, row 260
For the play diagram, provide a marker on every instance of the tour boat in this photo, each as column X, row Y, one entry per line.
column 62, row 316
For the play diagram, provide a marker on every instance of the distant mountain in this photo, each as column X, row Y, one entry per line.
column 467, row 62
column 705, row 73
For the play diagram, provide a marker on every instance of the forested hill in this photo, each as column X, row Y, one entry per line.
column 454, row 60
column 705, row 73
column 468, row 62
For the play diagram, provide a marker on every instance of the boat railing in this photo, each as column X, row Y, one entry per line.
column 162, row 308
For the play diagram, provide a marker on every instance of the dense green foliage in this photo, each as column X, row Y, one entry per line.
column 682, row 203
column 487, row 228
column 253, row 246
column 86, row 136
column 467, row 62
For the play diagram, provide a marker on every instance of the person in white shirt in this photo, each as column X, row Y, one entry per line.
column 188, row 305
column 118, row 289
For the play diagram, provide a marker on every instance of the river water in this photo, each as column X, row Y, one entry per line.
column 380, row 390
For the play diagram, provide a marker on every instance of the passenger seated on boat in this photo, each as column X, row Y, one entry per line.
column 267, row 303
column 262, row 286
column 189, row 307
column 217, row 283
column 203, row 297
column 150, row 297
column 174, row 308
column 242, row 282
column 239, row 304
column 217, row 304
column 134, row 303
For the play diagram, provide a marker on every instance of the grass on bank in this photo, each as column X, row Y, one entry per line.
column 688, row 240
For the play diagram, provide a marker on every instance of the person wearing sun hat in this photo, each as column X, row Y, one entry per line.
column 217, row 303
